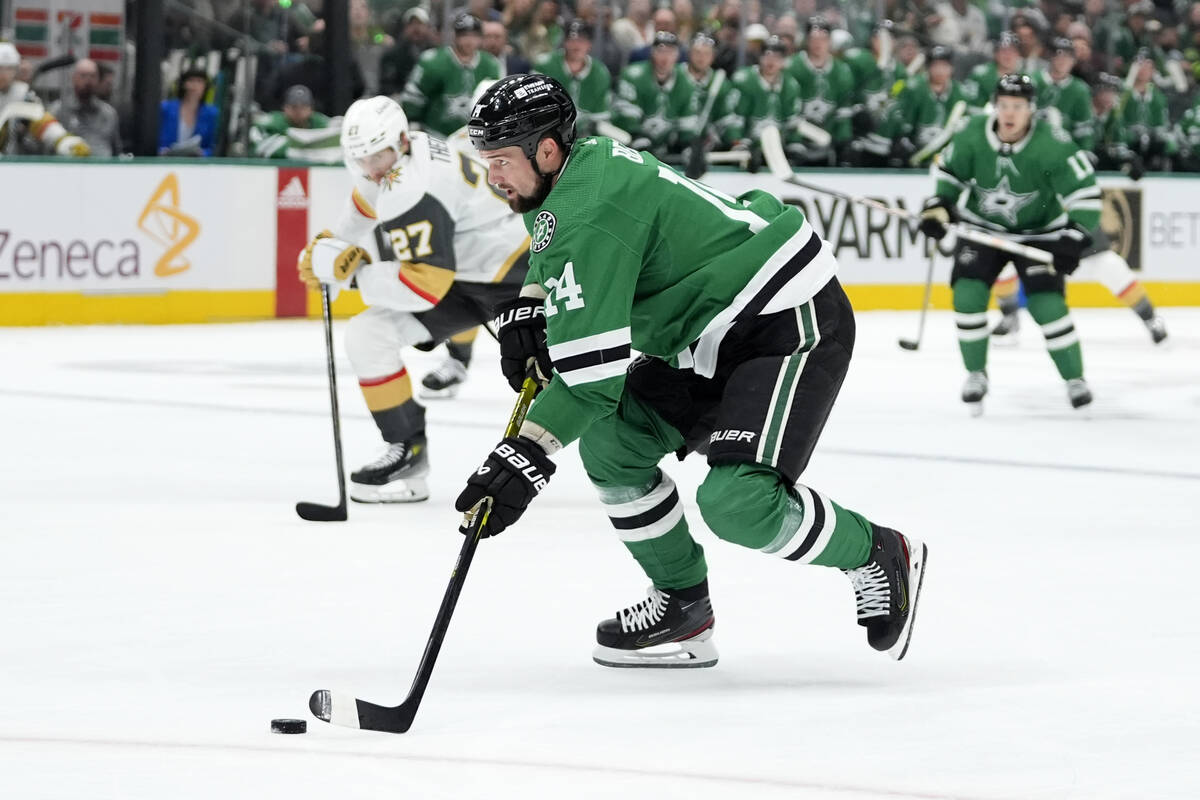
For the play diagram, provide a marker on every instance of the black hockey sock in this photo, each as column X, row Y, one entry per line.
column 697, row 592
column 1144, row 309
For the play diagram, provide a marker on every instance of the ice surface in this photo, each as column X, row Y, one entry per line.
column 160, row 602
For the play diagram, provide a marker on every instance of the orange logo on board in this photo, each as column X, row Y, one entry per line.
column 164, row 222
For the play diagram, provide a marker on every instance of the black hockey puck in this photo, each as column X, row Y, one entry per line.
column 289, row 726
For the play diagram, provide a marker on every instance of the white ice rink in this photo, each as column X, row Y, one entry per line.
column 160, row 601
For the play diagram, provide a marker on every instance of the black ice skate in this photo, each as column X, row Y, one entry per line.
column 444, row 381
column 887, row 588
column 662, row 631
column 1078, row 393
column 974, row 390
column 1157, row 328
column 397, row 476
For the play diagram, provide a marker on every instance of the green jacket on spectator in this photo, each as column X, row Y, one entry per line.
column 439, row 89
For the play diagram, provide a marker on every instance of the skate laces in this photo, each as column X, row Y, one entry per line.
column 449, row 371
column 644, row 614
column 871, row 590
column 392, row 453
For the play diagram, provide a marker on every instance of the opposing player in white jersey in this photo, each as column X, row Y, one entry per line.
column 449, row 249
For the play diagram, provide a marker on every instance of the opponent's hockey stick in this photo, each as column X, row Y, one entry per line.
column 772, row 146
column 343, row 709
column 315, row 511
column 913, row 344
column 944, row 135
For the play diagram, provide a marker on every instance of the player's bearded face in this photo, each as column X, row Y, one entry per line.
column 510, row 172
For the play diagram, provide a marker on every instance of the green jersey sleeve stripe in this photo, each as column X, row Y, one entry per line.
column 597, row 365
column 1086, row 193
column 587, row 344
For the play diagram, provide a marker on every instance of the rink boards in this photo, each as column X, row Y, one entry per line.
column 177, row 241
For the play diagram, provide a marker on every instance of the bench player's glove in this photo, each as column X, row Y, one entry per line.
column 1068, row 248
column 327, row 259
column 512, row 475
column 936, row 216
column 521, row 328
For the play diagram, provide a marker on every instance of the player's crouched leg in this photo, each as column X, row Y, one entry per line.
column 752, row 505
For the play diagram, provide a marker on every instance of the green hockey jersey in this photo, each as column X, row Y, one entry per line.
column 1073, row 100
column 758, row 104
column 920, row 113
column 631, row 255
column 1188, row 134
column 872, row 83
column 980, row 84
column 1035, row 185
column 722, row 115
column 439, row 89
column 658, row 112
column 591, row 89
column 1144, row 115
column 826, row 94
column 272, row 136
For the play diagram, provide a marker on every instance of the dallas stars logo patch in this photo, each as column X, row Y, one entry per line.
column 543, row 231
column 1003, row 202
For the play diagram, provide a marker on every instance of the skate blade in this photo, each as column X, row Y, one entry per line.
column 975, row 409
column 918, row 554
column 1006, row 340
column 407, row 490
column 695, row 653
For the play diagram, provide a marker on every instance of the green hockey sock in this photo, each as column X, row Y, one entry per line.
column 1049, row 310
column 650, row 522
column 751, row 505
column 970, row 316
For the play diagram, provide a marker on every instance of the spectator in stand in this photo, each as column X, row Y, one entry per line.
column 276, row 30
column 438, row 93
column 398, row 61
column 687, row 24
column 86, row 115
column 310, row 69
column 495, row 41
column 960, row 26
column 1087, row 62
column 287, row 133
column 367, row 44
column 25, row 71
column 635, row 29
column 585, row 79
column 1134, row 34
column 604, row 47
column 756, row 39
column 788, row 31
column 483, row 10
column 187, row 126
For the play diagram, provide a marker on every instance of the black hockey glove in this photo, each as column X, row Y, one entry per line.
column 512, row 475
column 1068, row 248
column 521, row 328
column 936, row 216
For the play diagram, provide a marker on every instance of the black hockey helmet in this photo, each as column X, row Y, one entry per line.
column 664, row 39
column 578, row 29
column 1007, row 39
column 776, row 45
column 940, row 52
column 818, row 23
column 520, row 111
column 704, row 37
column 1107, row 82
column 1016, row 85
column 467, row 23
column 1062, row 44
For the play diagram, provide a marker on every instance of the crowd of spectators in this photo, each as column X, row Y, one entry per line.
column 869, row 83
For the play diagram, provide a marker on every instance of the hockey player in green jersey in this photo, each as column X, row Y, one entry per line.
column 1144, row 114
column 924, row 106
column 722, row 108
column 826, row 88
column 745, row 337
column 297, row 132
column 586, row 79
column 982, row 80
column 1058, row 89
column 653, row 101
column 1111, row 139
column 767, row 95
column 438, row 92
column 1014, row 174
column 877, row 74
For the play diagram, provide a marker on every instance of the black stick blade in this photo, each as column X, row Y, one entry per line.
column 315, row 512
column 349, row 712
column 909, row 345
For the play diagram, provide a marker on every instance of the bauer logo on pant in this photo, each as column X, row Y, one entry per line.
column 543, row 231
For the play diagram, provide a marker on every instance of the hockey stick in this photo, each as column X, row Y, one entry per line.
column 697, row 164
column 772, row 146
column 315, row 511
column 913, row 344
column 345, row 710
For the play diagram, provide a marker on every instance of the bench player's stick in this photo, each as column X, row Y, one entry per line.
column 343, row 709
column 315, row 511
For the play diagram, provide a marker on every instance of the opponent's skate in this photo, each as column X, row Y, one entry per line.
column 444, row 381
column 1157, row 328
column 974, row 390
column 886, row 590
column 662, row 631
column 1006, row 329
column 1078, row 393
column 397, row 476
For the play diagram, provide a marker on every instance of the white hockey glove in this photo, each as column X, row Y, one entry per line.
column 71, row 145
column 327, row 259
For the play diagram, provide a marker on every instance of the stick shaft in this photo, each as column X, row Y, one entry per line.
column 327, row 319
